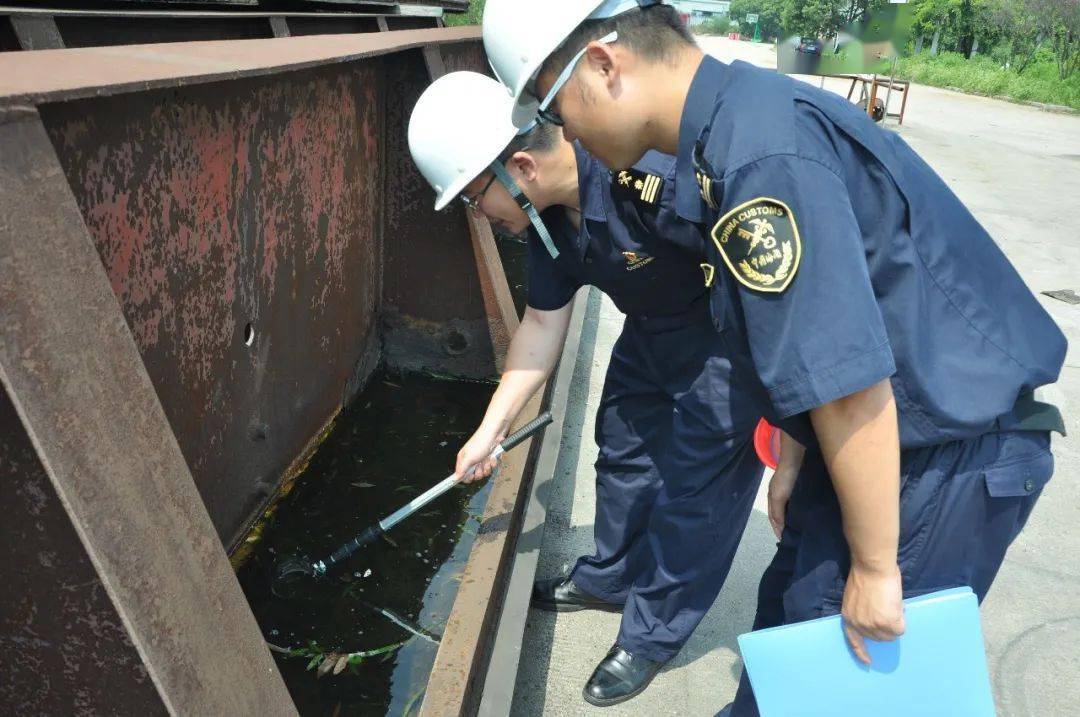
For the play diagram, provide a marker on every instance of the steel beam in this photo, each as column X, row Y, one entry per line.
column 52, row 75
column 72, row 373
column 37, row 32
column 279, row 26
column 508, row 633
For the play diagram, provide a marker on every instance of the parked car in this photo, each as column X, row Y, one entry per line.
column 809, row 46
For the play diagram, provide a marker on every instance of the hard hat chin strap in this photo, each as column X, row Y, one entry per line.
column 522, row 201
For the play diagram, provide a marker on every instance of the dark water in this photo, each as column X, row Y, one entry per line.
column 399, row 438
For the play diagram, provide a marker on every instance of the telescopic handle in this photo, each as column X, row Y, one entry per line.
column 527, row 431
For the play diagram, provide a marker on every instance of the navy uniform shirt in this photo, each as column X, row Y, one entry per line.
column 631, row 243
column 841, row 259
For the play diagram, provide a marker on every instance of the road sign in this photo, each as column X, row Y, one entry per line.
column 751, row 17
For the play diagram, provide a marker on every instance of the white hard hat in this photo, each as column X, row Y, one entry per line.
column 519, row 35
column 460, row 125
column 458, row 128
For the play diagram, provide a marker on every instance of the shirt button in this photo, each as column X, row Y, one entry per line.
column 1029, row 485
column 588, row 260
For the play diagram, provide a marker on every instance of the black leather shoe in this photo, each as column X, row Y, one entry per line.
column 619, row 677
column 561, row 595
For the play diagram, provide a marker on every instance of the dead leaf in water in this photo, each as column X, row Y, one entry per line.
column 327, row 664
column 362, row 484
column 342, row 662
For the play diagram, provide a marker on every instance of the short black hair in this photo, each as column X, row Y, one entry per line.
column 542, row 138
column 655, row 32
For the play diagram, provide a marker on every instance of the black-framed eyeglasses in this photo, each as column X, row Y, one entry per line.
column 545, row 112
column 551, row 117
column 473, row 202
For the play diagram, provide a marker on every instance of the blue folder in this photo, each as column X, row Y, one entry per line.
column 937, row 668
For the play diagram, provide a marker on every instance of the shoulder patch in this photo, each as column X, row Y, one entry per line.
column 759, row 241
column 641, row 187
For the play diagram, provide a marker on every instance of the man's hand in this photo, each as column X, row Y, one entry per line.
column 783, row 481
column 529, row 361
column 476, row 453
column 780, row 487
column 873, row 607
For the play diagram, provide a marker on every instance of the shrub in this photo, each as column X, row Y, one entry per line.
column 987, row 75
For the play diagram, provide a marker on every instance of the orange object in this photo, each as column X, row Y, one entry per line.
column 767, row 443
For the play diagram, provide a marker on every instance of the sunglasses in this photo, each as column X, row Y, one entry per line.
column 545, row 112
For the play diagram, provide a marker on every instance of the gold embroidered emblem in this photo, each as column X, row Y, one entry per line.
column 639, row 185
column 636, row 261
column 705, row 185
column 759, row 241
column 625, row 178
column 710, row 274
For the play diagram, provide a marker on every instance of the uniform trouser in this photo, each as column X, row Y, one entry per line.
column 676, row 478
column 961, row 506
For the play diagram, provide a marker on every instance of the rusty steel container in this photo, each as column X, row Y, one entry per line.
column 205, row 250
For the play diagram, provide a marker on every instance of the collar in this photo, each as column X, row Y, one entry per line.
column 709, row 81
column 591, row 180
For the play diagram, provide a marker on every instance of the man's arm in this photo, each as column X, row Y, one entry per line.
column 533, row 352
column 860, row 443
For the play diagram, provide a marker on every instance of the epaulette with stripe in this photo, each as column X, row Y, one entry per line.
column 644, row 188
column 705, row 184
column 704, row 174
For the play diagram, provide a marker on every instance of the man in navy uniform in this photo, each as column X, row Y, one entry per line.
column 883, row 328
column 676, row 473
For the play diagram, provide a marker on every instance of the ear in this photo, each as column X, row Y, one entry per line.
column 604, row 60
column 526, row 165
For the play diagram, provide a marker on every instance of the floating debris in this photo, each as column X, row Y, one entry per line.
column 330, row 503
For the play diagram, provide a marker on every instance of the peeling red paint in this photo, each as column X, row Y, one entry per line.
column 215, row 207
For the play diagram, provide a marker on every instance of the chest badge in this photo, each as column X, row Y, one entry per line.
column 759, row 241
column 635, row 261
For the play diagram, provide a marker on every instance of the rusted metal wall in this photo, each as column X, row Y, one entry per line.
column 70, row 368
column 433, row 304
column 51, row 665
column 238, row 225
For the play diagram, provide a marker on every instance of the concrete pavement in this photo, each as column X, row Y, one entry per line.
column 1018, row 169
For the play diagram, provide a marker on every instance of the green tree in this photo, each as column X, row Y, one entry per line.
column 768, row 11
column 813, row 18
column 1063, row 21
column 719, row 24
column 1020, row 28
column 858, row 9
